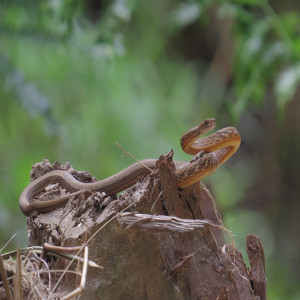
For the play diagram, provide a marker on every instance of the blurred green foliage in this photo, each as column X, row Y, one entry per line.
column 76, row 76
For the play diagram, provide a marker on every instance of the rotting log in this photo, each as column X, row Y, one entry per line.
column 153, row 241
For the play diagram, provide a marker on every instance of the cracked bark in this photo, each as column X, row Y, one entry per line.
column 167, row 245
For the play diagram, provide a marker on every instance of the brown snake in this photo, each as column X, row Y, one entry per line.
column 218, row 147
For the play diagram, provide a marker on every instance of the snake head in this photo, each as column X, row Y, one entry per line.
column 191, row 135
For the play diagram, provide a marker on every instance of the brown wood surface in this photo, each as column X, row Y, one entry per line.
column 165, row 246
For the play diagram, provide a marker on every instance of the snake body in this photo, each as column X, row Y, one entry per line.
column 218, row 147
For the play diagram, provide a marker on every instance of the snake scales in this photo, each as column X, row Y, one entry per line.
column 218, row 147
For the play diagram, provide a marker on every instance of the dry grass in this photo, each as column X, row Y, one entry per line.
column 30, row 276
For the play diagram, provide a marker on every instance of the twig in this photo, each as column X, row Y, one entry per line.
column 129, row 154
column 8, row 242
column 4, row 279
column 152, row 207
column 39, row 249
column 81, row 287
column 59, row 249
column 17, row 281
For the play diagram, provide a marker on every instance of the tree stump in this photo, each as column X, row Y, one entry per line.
column 153, row 241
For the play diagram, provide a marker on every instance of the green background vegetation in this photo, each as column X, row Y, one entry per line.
column 77, row 76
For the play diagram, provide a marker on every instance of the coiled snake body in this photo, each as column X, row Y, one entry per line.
column 218, row 147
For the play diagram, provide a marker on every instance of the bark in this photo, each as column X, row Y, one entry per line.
column 167, row 245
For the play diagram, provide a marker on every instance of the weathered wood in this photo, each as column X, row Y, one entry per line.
column 256, row 256
column 161, row 247
column 159, row 223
